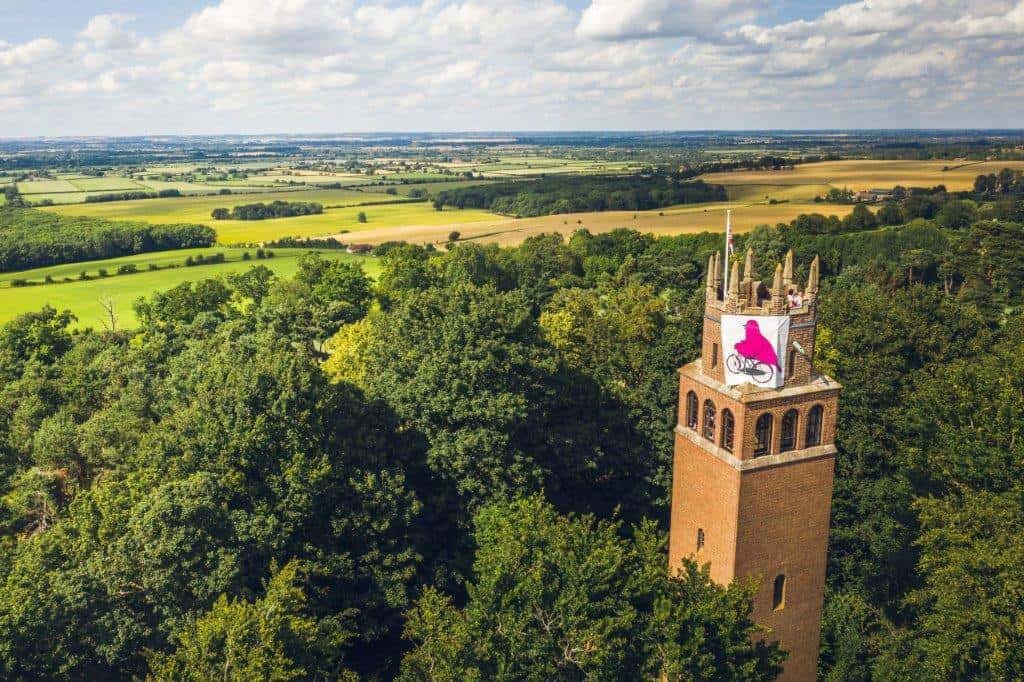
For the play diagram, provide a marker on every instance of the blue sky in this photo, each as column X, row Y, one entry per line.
column 251, row 66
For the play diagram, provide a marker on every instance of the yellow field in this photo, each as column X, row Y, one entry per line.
column 749, row 193
column 331, row 221
column 806, row 180
column 678, row 220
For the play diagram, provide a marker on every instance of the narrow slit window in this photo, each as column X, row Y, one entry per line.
column 779, row 593
column 791, row 363
column 714, row 355
column 763, row 433
column 700, row 539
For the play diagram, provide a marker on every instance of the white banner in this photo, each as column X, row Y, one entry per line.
column 754, row 348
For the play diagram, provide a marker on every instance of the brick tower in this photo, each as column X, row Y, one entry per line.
column 754, row 453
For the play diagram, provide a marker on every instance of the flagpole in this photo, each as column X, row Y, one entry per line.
column 728, row 241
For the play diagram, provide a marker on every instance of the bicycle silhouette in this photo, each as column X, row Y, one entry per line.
column 760, row 372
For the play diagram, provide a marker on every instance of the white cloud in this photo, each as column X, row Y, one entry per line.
column 296, row 25
column 457, row 72
column 929, row 62
column 108, row 31
column 301, row 65
column 29, row 53
column 616, row 19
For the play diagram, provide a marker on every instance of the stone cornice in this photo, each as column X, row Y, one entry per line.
column 763, row 462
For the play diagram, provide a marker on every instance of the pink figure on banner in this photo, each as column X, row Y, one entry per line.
column 755, row 355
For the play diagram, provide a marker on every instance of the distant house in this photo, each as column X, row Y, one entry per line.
column 359, row 248
column 873, row 195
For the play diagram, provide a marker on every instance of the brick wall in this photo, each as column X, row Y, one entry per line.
column 705, row 496
column 761, row 516
column 782, row 529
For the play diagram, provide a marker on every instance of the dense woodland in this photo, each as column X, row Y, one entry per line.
column 461, row 470
column 263, row 211
column 573, row 193
column 31, row 238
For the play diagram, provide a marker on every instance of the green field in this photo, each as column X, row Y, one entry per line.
column 332, row 221
column 84, row 298
column 106, row 184
column 45, row 187
column 540, row 165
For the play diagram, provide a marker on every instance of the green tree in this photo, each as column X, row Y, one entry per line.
column 972, row 564
column 957, row 214
column 567, row 598
column 464, row 366
column 890, row 214
column 33, row 337
column 254, row 283
column 313, row 306
column 626, row 340
column 272, row 638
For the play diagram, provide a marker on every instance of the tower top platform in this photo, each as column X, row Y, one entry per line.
column 748, row 295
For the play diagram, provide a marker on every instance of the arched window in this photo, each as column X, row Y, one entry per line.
column 763, row 433
column 709, row 420
column 728, row 427
column 779, row 593
column 700, row 539
column 787, row 439
column 813, row 427
column 791, row 363
column 691, row 410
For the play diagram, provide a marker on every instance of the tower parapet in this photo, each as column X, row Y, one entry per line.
column 748, row 296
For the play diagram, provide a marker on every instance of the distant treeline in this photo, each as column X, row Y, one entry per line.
column 569, row 194
column 310, row 243
column 275, row 209
column 132, row 195
column 31, row 239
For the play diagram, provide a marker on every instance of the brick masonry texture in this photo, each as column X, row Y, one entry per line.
column 760, row 517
